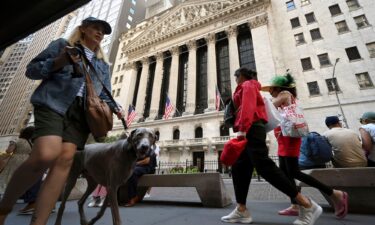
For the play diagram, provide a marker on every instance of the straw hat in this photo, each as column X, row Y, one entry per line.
column 282, row 81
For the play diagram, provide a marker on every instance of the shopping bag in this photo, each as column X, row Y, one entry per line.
column 232, row 150
column 273, row 115
column 293, row 123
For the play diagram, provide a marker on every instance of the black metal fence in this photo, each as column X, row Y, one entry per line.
column 190, row 166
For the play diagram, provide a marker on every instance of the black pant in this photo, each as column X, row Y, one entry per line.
column 138, row 172
column 290, row 167
column 255, row 155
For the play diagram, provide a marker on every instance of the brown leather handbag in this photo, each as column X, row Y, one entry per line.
column 98, row 114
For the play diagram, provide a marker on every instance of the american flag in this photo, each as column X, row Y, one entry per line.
column 217, row 99
column 131, row 115
column 168, row 108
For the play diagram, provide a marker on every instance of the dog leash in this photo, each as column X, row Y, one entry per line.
column 107, row 92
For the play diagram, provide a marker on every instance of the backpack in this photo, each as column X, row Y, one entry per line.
column 318, row 148
column 229, row 113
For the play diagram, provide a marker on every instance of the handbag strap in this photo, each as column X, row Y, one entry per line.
column 86, row 62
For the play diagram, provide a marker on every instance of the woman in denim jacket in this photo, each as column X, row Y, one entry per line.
column 60, row 123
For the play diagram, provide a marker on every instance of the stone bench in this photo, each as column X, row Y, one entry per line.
column 359, row 183
column 210, row 187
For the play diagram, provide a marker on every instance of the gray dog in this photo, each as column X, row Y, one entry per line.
column 108, row 164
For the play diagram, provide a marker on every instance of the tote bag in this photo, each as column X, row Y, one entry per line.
column 293, row 122
column 273, row 115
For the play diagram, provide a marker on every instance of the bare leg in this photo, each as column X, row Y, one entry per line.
column 45, row 151
column 53, row 184
column 303, row 201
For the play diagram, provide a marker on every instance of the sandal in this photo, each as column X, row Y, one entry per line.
column 341, row 209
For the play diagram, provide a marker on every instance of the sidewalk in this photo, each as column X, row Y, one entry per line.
column 162, row 209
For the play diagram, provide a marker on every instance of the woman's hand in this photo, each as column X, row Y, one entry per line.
column 121, row 114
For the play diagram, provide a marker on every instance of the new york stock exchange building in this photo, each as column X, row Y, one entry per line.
column 181, row 56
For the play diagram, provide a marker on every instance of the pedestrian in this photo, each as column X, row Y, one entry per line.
column 346, row 145
column 250, row 121
column 284, row 93
column 60, row 122
column 367, row 131
column 145, row 165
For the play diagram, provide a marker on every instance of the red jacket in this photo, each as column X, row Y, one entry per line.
column 250, row 105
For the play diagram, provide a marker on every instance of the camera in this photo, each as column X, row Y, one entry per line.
column 73, row 51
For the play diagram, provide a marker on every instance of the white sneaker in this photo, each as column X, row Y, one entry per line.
column 308, row 216
column 100, row 202
column 93, row 202
column 147, row 195
column 238, row 217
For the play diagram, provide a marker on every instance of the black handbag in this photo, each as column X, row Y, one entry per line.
column 229, row 113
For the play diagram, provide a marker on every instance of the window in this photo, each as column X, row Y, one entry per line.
column 116, row 79
column 364, row 80
column 128, row 26
column 300, row 39
column 371, row 49
column 342, row 27
column 352, row 4
column 176, row 134
column 332, row 85
column 335, row 10
column 118, row 67
column 290, row 5
column 313, row 88
column 134, row 2
column 315, row 34
column 324, row 59
column 132, row 11
column 305, row 2
column 121, row 77
column 295, row 22
column 353, row 53
column 361, row 21
column 118, row 92
column 130, row 18
column 306, row 64
column 310, row 18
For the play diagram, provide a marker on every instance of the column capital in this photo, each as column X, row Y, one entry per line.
column 145, row 61
column 191, row 45
column 231, row 31
column 130, row 66
column 210, row 38
column 175, row 50
column 258, row 21
column 159, row 56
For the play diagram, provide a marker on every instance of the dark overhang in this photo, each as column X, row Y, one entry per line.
column 18, row 19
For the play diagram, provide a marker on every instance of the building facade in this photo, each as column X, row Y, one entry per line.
column 186, row 52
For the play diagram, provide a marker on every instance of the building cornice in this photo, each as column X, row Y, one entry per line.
column 192, row 15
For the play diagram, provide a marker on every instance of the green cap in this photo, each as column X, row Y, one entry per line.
column 368, row 116
column 285, row 81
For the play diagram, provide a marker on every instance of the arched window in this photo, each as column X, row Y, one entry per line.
column 222, row 64
column 198, row 132
column 176, row 134
column 157, row 135
column 224, row 131
column 150, row 84
column 165, row 84
column 182, row 81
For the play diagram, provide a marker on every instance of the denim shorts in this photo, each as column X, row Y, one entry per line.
column 72, row 127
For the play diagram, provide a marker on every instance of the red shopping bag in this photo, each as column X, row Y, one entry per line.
column 232, row 150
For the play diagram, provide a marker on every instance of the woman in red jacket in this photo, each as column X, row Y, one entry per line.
column 283, row 91
column 250, row 120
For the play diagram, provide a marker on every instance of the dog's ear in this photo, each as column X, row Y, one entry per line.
column 131, row 136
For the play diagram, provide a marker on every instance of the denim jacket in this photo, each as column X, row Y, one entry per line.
column 58, row 89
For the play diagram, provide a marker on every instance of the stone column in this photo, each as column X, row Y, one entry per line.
column 234, row 59
column 173, row 77
column 140, row 106
column 130, row 79
column 192, row 77
column 211, row 71
column 264, row 60
column 156, row 89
